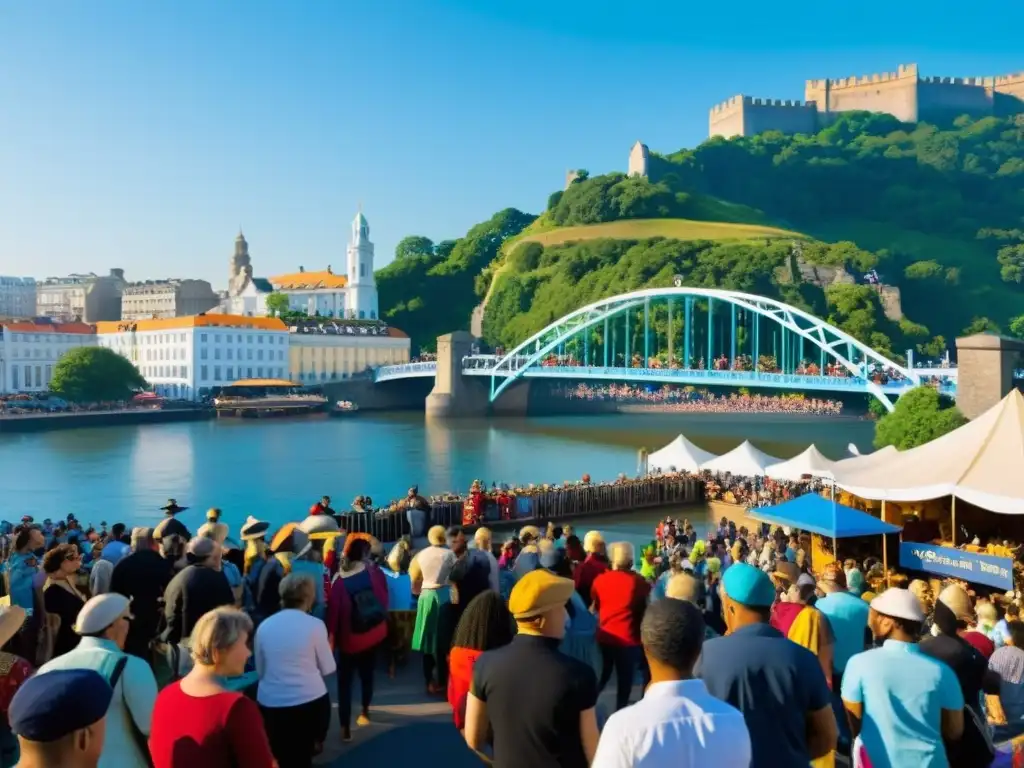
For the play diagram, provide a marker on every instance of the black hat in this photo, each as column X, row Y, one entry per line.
column 171, row 526
column 172, row 508
column 52, row 705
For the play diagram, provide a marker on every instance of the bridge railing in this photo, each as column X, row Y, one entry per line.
column 539, row 505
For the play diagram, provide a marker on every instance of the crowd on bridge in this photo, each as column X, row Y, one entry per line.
column 689, row 399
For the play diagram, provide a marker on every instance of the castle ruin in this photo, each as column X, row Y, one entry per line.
column 904, row 94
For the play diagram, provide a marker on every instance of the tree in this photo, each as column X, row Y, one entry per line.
column 277, row 303
column 981, row 325
column 1011, row 263
column 923, row 270
column 1017, row 327
column 95, row 374
column 921, row 415
column 413, row 246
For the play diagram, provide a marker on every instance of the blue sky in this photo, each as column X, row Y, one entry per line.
column 141, row 134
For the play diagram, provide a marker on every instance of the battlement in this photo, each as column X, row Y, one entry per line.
column 736, row 102
column 904, row 72
column 1014, row 78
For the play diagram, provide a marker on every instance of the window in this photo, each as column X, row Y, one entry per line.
column 231, row 373
column 239, row 338
column 203, row 373
column 184, row 371
column 259, row 371
column 202, row 337
column 362, row 315
column 39, row 376
column 216, row 338
column 261, row 338
column 49, row 374
column 248, row 354
column 259, row 355
column 14, row 377
column 202, row 353
column 362, row 269
column 231, row 352
column 216, row 353
column 248, row 339
column 216, row 373
column 373, row 315
column 249, row 372
column 280, row 354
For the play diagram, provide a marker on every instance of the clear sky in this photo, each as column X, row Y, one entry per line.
column 141, row 135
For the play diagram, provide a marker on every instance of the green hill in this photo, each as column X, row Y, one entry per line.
column 938, row 211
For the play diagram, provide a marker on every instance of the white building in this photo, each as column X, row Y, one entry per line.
column 352, row 295
column 29, row 351
column 17, row 297
column 167, row 298
column 332, row 350
column 184, row 357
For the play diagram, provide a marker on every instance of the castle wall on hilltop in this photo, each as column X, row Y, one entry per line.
column 904, row 94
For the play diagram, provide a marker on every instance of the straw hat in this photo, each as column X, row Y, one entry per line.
column 254, row 529
column 529, row 531
column 11, row 619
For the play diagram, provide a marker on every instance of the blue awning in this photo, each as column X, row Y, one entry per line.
column 817, row 514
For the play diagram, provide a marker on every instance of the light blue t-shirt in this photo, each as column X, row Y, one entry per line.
column 903, row 693
column 848, row 616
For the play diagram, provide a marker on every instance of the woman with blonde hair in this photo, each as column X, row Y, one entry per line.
column 429, row 571
column 197, row 720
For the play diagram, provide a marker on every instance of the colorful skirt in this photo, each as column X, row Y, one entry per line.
column 428, row 635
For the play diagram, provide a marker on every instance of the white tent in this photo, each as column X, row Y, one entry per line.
column 681, row 454
column 811, row 462
column 982, row 463
column 744, row 460
column 862, row 461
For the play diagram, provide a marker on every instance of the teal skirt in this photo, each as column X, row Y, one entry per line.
column 431, row 626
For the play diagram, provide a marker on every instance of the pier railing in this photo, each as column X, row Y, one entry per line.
column 538, row 505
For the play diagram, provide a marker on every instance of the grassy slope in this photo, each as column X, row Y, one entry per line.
column 640, row 229
column 980, row 292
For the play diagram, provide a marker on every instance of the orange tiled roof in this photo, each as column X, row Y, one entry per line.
column 395, row 333
column 309, row 280
column 50, row 327
column 192, row 321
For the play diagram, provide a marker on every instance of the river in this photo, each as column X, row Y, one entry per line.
column 275, row 469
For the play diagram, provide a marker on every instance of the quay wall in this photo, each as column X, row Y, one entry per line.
column 53, row 421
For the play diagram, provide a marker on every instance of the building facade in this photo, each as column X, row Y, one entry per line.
column 86, row 298
column 185, row 357
column 17, row 297
column 904, row 94
column 330, row 351
column 313, row 293
column 246, row 295
column 29, row 351
column 167, row 298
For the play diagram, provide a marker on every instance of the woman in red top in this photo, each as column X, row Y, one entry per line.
column 357, row 624
column 197, row 723
column 485, row 625
column 619, row 600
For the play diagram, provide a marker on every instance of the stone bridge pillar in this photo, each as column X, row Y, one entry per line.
column 453, row 396
column 985, row 364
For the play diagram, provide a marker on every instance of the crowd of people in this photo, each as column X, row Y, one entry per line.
column 169, row 649
column 690, row 399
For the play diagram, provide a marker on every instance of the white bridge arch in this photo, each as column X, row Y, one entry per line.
column 834, row 342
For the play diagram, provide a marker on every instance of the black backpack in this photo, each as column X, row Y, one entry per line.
column 367, row 611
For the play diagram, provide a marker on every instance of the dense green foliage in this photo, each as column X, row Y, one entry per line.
column 936, row 210
column 429, row 291
column 921, row 415
column 542, row 284
column 93, row 375
column 277, row 304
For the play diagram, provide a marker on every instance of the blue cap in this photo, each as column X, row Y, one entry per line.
column 748, row 586
column 55, row 704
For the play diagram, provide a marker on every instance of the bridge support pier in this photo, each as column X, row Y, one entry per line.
column 452, row 397
column 985, row 365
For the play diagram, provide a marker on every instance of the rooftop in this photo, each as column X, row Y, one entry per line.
column 41, row 327
column 208, row 320
column 346, row 328
column 309, row 280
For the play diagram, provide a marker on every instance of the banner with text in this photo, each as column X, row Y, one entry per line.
column 972, row 567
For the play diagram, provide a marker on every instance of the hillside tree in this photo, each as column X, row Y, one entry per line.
column 920, row 416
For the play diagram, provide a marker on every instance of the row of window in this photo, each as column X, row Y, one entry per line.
column 230, row 373
column 54, row 338
column 22, row 377
column 248, row 354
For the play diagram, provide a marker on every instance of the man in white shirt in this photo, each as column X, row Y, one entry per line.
column 677, row 724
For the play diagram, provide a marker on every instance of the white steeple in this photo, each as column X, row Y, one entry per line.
column 361, row 302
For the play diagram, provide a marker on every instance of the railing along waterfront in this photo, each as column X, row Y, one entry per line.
column 538, row 505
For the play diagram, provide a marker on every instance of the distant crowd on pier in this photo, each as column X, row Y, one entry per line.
column 688, row 399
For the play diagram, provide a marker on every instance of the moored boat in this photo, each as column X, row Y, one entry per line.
column 344, row 408
column 257, row 398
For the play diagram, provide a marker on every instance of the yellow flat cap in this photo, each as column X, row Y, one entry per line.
column 537, row 593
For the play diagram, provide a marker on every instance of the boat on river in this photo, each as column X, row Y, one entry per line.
column 260, row 398
column 344, row 408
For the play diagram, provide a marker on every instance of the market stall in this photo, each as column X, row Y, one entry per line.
column 810, row 463
column 744, row 460
column 678, row 456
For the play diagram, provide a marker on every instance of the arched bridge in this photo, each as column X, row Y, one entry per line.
column 695, row 336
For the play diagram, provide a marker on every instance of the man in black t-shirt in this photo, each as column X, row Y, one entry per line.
column 538, row 702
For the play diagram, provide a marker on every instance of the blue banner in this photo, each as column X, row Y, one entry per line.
column 972, row 567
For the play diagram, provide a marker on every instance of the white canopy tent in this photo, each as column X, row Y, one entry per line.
column 811, row 462
column 861, row 462
column 680, row 454
column 981, row 463
column 744, row 459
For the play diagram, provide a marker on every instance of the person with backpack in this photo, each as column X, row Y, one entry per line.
column 357, row 624
column 103, row 624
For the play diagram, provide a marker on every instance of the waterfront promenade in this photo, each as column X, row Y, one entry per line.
column 45, row 422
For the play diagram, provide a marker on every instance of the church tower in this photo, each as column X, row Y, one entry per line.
column 361, row 302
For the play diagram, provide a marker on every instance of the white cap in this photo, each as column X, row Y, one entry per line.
column 100, row 612
column 898, row 603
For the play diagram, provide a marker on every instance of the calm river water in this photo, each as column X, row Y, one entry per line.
column 275, row 469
